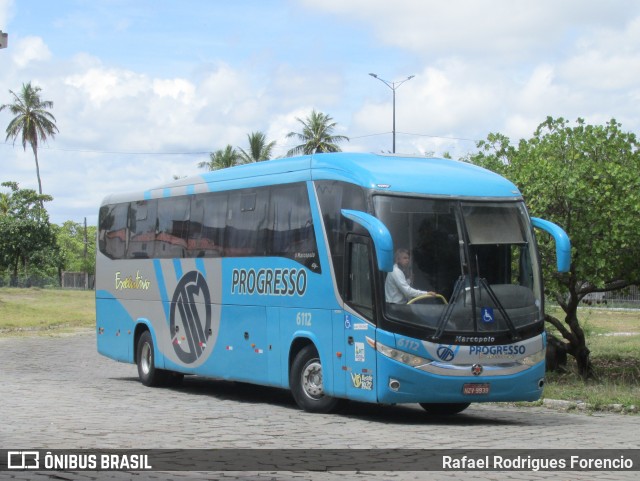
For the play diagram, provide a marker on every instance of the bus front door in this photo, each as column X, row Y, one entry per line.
column 359, row 355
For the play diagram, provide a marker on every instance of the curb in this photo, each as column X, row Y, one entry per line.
column 583, row 406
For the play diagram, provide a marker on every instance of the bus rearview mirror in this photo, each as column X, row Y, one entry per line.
column 563, row 244
column 381, row 236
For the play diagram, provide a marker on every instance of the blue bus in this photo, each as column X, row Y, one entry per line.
column 376, row 278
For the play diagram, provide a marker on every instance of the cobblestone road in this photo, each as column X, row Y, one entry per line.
column 59, row 393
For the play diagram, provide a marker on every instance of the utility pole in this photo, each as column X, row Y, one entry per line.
column 86, row 273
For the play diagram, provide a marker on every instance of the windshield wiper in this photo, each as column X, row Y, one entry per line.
column 459, row 287
column 505, row 316
column 446, row 314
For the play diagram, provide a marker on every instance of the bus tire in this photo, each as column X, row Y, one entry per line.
column 145, row 359
column 444, row 409
column 305, row 380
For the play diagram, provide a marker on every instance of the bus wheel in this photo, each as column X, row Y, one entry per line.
column 444, row 409
column 149, row 375
column 306, row 383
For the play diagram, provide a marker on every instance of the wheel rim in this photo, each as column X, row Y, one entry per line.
column 312, row 379
column 146, row 358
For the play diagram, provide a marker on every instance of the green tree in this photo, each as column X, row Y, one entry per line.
column 259, row 148
column 316, row 135
column 221, row 159
column 5, row 203
column 24, row 229
column 32, row 121
column 77, row 247
column 585, row 178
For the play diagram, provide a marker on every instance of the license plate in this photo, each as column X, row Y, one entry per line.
column 473, row 389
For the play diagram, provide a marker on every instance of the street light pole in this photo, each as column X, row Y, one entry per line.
column 393, row 86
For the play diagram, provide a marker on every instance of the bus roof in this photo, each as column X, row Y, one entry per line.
column 382, row 172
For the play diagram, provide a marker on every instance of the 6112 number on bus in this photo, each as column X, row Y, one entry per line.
column 303, row 319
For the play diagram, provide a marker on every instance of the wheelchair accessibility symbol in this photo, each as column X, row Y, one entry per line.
column 487, row 315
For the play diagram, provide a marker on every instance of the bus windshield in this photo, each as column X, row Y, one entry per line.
column 463, row 270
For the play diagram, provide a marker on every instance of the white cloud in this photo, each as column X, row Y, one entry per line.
column 26, row 50
column 130, row 111
column 6, row 12
column 174, row 88
column 295, row 86
column 105, row 85
column 492, row 28
column 606, row 60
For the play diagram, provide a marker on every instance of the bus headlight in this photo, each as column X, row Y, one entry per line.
column 534, row 358
column 396, row 355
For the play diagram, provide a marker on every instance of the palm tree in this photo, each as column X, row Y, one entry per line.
column 316, row 135
column 32, row 120
column 221, row 159
column 259, row 149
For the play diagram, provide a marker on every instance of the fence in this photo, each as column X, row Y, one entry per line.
column 68, row 280
column 77, row 280
column 628, row 297
column 29, row 281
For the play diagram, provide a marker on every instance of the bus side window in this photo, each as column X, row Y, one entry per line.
column 291, row 231
column 113, row 233
column 142, row 225
column 172, row 228
column 245, row 232
column 207, row 224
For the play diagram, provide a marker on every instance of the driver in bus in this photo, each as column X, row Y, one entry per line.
column 397, row 287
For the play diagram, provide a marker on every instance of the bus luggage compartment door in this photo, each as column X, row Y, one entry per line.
column 243, row 340
column 114, row 327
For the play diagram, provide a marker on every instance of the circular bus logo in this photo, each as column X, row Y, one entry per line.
column 190, row 317
column 445, row 353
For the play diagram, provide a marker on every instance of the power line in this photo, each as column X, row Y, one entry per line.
column 283, row 145
column 439, row 137
column 119, row 152
column 128, row 153
column 368, row 135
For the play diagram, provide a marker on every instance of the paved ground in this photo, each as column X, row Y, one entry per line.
column 58, row 393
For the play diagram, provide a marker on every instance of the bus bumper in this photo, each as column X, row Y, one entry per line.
column 399, row 383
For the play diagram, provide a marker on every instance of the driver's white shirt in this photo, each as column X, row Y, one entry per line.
column 397, row 289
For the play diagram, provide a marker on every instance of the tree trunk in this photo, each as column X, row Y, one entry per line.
column 577, row 345
column 35, row 154
column 14, row 277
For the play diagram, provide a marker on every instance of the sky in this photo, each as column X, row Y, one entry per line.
column 143, row 90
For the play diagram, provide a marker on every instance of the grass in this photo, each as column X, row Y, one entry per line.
column 613, row 336
column 26, row 311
